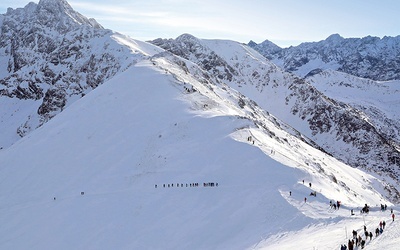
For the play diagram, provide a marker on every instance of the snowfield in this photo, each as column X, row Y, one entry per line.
column 87, row 178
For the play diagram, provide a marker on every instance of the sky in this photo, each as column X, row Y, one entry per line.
column 284, row 22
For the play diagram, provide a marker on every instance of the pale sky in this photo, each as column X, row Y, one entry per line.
column 284, row 22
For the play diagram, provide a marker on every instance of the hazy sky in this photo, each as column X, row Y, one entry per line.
column 284, row 22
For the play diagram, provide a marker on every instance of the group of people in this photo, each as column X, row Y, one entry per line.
column 196, row 184
column 358, row 241
column 335, row 205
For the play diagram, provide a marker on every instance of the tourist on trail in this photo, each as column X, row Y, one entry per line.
column 370, row 235
column 350, row 245
column 352, row 212
column 305, row 199
column 376, row 232
column 309, row 184
column 380, row 230
column 354, row 234
column 290, row 193
column 365, row 228
column 338, row 204
column 393, row 216
column 383, row 224
column 362, row 244
column 380, row 224
column 366, row 234
column 391, row 210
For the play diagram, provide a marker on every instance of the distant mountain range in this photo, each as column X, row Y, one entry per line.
column 369, row 57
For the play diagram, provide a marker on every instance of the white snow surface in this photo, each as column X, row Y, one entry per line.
column 141, row 129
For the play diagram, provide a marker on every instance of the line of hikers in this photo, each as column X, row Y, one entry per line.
column 358, row 241
column 196, row 184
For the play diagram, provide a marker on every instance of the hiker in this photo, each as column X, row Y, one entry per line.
column 366, row 234
column 303, row 181
column 352, row 213
column 376, row 232
column 385, row 207
column 380, row 230
column 155, row 186
column 362, row 244
column 391, row 210
column 370, row 235
column 380, row 224
column 290, row 193
column 393, row 216
column 383, row 224
column 338, row 204
column 309, row 184
column 354, row 234
column 365, row 228
column 350, row 245
column 305, row 199
column 334, row 206
column 343, row 247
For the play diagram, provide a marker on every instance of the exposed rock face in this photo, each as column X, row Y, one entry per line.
column 368, row 57
column 54, row 55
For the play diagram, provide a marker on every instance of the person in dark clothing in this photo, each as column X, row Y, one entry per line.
column 350, row 245
column 370, row 235
column 393, row 216
column 362, row 244
column 366, row 234
column 383, row 224
column 354, row 234
column 376, row 232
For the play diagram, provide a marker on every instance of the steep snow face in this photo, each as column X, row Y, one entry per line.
column 51, row 56
column 368, row 57
column 117, row 158
column 332, row 125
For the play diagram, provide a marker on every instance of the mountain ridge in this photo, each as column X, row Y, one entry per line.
column 368, row 57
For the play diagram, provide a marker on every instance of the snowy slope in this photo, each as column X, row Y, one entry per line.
column 340, row 129
column 117, row 158
column 59, row 57
column 381, row 107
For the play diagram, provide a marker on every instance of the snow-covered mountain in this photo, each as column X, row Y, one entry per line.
column 183, row 143
column 50, row 57
column 369, row 57
column 335, row 126
column 96, row 186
